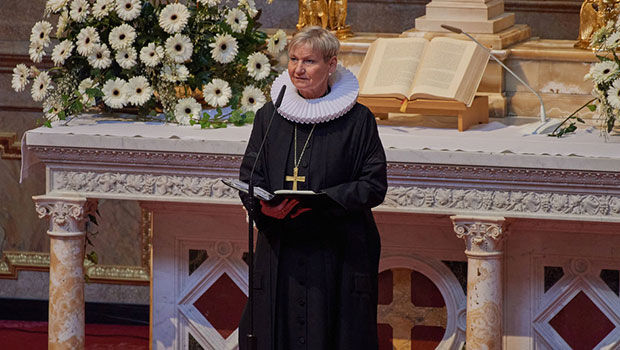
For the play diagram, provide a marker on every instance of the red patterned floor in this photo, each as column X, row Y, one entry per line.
column 23, row 335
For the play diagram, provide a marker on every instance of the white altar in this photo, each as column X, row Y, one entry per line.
column 534, row 220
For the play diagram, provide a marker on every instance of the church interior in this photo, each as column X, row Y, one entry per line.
column 494, row 234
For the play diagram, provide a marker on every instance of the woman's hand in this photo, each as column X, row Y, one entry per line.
column 283, row 209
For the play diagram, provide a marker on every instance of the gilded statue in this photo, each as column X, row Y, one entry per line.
column 329, row 14
column 594, row 15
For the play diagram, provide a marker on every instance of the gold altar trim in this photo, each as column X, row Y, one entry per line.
column 10, row 147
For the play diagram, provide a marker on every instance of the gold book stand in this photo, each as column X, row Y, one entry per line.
column 477, row 113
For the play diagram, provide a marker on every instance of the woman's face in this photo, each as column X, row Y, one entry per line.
column 308, row 70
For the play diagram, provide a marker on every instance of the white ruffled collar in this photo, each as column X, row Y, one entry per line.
column 343, row 95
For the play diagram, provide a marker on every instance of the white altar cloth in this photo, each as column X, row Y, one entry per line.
column 493, row 144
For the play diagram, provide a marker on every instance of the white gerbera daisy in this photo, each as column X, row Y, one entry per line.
column 51, row 108
column 115, row 93
column 173, row 18
column 79, row 10
column 126, row 58
column 36, row 52
column 20, row 77
column 603, row 71
column 258, row 66
column 128, row 9
column 186, row 109
column 139, row 91
column 86, row 84
column 224, row 48
column 100, row 57
column 40, row 85
column 175, row 74
column 613, row 95
column 209, row 3
column 62, row 51
column 122, row 36
column 217, row 93
column 613, row 41
column 102, row 7
column 87, row 39
column 250, row 6
column 151, row 55
column 41, row 33
column 237, row 20
column 277, row 42
column 179, row 48
column 252, row 99
column 63, row 22
column 54, row 6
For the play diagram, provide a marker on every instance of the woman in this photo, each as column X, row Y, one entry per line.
column 317, row 257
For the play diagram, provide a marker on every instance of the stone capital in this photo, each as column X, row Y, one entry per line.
column 483, row 235
column 67, row 215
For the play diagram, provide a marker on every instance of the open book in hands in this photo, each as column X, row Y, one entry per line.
column 265, row 195
column 411, row 68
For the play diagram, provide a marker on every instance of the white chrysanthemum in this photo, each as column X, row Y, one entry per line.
column 54, row 6
column 151, row 55
column 217, row 93
column 250, row 6
column 603, row 71
column 613, row 41
column 252, row 99
column 20, row 77
column 41, row 33
column 128, row 9
column 86, row 84
column 237, row 20
column 175, row 74
column 209, row 3
column 224, row 48
column 122, row 36
column 36, row 52
column 126, row 58
column 277, row 42
column 179, row 48
column 79, row 10
column 613, row 95
column 186, row 109
column 40, row 85
column 87, row 40
column 102, row 7
column 100, row 57
column 139, row 91
column 173, row 18
column 258, row 66
column 63, row 23
column 62, row 51
column 115, row 93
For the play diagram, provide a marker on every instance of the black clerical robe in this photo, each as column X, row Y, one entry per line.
column 315, row 280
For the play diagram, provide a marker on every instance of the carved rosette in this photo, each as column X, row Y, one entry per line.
column 483, row 236
column 67, row 215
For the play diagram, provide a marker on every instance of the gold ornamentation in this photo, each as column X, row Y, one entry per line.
column 329, row 14
column 594, row 14
column 10, row 147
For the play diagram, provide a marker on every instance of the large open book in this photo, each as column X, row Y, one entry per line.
column 412, row 68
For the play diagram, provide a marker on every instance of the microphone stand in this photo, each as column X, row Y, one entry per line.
column 544, row 122
column 252, row 340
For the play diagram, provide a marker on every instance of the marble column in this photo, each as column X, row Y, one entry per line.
column 483, row 237
column 67, row 231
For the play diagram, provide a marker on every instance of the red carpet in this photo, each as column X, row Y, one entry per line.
column 23, row 335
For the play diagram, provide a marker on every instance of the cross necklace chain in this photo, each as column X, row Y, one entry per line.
column 296, row 178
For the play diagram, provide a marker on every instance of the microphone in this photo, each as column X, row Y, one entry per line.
column 251, row 338
column 543, row 115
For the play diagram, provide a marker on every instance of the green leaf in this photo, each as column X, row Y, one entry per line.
column 92, row 257
column 62, row 115
column 592, row 108
column 47, row 123
column 580, row 120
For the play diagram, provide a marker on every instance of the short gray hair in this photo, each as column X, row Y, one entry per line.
column 319, row 39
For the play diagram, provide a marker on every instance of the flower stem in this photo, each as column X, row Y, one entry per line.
column 570, row 116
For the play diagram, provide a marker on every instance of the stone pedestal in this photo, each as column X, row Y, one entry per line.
column 67, row 217
column 475, row 16
column 483, row 237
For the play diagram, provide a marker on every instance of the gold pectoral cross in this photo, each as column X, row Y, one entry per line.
column 295, row 178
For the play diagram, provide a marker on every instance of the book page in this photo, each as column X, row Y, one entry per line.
column 390, row 66
column 443, row 68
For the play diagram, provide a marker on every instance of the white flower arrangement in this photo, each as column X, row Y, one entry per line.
column 152, row 58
